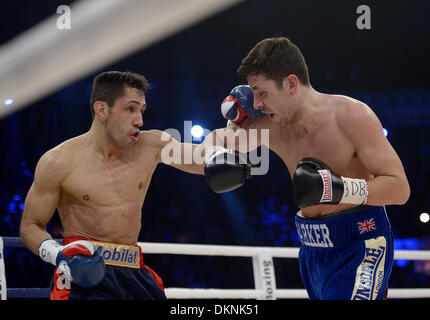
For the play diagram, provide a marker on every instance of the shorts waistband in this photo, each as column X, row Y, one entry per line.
column 115, row 254
column 342, row 228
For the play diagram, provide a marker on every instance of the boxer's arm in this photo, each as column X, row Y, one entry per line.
column 170, row 151
column 362, row 127
column 41, row 200
column 244, row 137
column 190, row 157
column 239, row 136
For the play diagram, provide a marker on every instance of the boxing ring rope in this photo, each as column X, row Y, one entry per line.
column 261, row 274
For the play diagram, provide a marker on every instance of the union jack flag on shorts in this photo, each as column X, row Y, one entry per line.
column 366, row 226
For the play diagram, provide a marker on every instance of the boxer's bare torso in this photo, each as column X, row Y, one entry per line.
column 101, row 198
column 323, row 140
column 98, row 196
column 98, row 181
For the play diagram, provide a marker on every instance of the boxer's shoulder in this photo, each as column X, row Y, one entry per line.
column 155, row 138
column 348, row 107
column 350, row 113
column 356, row 120
column 61, row 157
column 51, row 168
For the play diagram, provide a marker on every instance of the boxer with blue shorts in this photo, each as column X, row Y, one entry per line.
column 346, row 255
column 338, row 158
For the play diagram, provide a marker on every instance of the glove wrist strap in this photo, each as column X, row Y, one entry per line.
column 354, row 191
column 48, row 250
column 213, row 151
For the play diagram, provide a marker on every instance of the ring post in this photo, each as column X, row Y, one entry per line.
column 264, row 274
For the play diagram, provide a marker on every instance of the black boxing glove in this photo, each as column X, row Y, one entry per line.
column 315, row 183
column 226, row 170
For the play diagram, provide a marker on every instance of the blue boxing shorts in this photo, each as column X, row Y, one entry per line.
column 126, row 277
column 346, row 255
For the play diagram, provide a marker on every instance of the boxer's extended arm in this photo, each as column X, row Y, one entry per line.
column 183, row 156
column 362, row 127
column 190, row 157
column 42, row 200
column 238, row 136
column 244, row 137
column 238, row 108
column 205, row 158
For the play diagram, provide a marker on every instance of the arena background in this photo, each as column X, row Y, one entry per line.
column 190, row 73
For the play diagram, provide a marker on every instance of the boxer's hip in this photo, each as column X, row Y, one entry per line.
column 346, row 255
column 340, row 229
column 126, row 277
column 115, row 254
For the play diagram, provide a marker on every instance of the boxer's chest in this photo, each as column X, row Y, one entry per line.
column 326, row 143
column 109, row 183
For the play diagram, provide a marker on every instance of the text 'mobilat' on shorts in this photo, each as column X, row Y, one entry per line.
column 126, row 277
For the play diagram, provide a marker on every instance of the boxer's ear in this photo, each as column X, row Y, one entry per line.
column 291, row 83
column 101, row 110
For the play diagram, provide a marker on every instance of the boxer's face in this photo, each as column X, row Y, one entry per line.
column 271, row 98
column 126, row 117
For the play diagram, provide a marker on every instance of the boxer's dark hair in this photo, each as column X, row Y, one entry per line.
column 108, row 86
column 275, row 58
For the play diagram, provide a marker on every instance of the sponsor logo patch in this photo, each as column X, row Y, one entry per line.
column 370, row 273
column 120, row 255
column 327, row 195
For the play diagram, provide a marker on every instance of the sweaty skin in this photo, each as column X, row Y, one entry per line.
column 98, row 180
column 342, row 132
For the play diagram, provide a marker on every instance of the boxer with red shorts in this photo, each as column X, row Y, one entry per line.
column 98, row 182
column 118, row 272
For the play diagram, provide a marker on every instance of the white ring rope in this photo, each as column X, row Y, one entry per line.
column 412, row 254
column 217, row 250
column 186, row 293
column 255, row 253
column 251, row 251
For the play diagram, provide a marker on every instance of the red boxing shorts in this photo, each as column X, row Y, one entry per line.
column 126, row 278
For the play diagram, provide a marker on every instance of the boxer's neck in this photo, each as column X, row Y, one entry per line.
column 103, row 144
